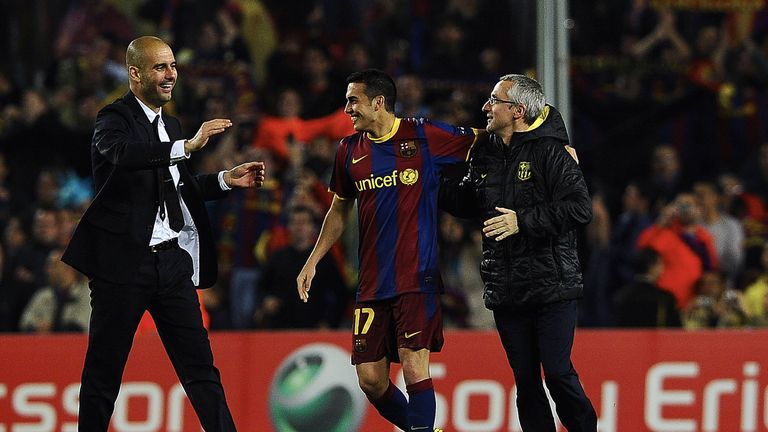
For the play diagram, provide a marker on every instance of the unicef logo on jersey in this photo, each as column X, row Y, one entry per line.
column 407, row 177
column 315, row 389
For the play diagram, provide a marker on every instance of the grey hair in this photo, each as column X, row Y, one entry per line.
column 528, row 92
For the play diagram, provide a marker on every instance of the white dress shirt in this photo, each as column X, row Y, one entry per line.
column 162, row 231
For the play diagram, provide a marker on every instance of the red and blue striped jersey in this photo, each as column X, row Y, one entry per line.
column 395, row 180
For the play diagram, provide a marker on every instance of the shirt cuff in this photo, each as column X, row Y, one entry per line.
column 222, row 183
column 177, row 151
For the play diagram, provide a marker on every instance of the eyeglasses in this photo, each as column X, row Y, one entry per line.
column 493, row 100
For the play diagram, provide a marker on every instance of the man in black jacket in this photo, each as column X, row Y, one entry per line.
column 279, row 308
column 642, row 303
column 145, row 242
column 531, row 194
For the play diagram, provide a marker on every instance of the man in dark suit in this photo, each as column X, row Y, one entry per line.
column 145, row 242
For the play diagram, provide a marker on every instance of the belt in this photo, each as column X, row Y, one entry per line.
column 168, row 244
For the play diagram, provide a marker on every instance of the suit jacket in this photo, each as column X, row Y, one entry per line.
column 114, row 233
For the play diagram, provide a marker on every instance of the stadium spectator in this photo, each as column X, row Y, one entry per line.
column 756, row 293
column 448, row 57
column 47, row 189
column 642, row 303
column 15, row 239
column 755, row 173
column 8, row 96
column 36, row 132
column 279, row 308
column 356, row 57
column 258, row 30
column 5, row 193
column 279, row 132
column 747, row 207
column 714, row 305
column 234, row 48
column 665, row 40
column 63, row 305
column 26, row 260
column 685, row 246
column 595, row 306
column 707, row 63
column 491, row 62
column 760, row 320
column 665, row 177
column 410, row 97
column 320, row 85
column 633, row 220
column 727, row 232
column 738, row 102
column 219, row 43
column 459, row 254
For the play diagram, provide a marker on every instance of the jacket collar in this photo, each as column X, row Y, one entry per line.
column 130, row 99
column 549, row 124
column 148, row 113
column 540, row 119
column 132, row 102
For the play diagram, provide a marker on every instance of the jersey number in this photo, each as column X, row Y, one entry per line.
column 369, row 314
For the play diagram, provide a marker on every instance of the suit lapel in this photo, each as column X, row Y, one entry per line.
column 171, row 123
column 138, row 114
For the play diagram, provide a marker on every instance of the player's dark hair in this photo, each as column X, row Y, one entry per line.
column 377, row 83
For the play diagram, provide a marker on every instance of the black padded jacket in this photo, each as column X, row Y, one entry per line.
column 537, row 178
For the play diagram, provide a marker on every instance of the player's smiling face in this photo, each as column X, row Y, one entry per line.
column 359, row 108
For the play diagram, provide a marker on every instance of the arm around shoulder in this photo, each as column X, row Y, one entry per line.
column 457, row 197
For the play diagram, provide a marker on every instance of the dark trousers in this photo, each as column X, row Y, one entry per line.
column 162, row 286
column 539, row 337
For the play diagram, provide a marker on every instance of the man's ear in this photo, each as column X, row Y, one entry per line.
column 379, row 101
column 133, row 73
column 519, row 110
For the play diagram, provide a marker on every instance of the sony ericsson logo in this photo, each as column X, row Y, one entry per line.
column 407, row 177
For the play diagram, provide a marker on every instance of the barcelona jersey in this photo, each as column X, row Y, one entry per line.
column 395, row 179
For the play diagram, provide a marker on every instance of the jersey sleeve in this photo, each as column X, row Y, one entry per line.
column 341, row 183
column 449, row 144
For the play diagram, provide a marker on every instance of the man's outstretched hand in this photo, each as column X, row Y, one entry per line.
column 207, row 130
column 249, row 174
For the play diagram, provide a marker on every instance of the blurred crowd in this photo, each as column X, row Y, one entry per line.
column 670, row 110
column 668, row 119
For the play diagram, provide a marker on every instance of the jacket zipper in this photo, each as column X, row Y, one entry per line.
column 507, row 253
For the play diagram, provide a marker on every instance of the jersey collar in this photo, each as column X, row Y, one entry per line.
column 386, row 137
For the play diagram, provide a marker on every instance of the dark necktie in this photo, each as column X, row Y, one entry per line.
column 167, row 191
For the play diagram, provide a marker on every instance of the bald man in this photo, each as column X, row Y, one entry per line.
column 145, row 242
